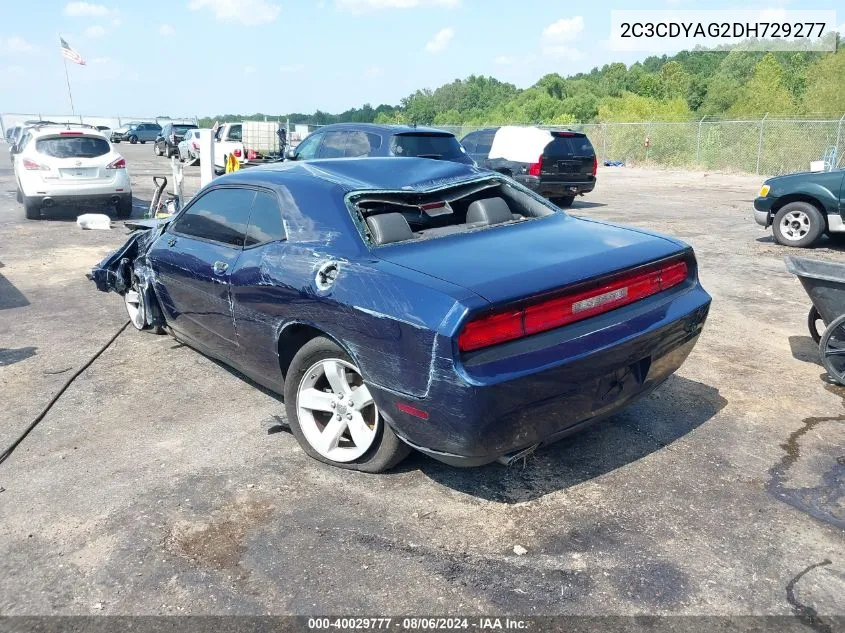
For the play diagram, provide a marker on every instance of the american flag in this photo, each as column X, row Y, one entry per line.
column 71, row 54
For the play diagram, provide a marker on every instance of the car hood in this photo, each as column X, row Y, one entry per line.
column 804, row 176
column 511, row 262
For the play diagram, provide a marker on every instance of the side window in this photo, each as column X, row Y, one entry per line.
column 265, row 220
column 307, row 149
column 236, row 133
column 484, row 142
column 469, row 142
column 221, row 215
column 361, row 144
column 333, row 146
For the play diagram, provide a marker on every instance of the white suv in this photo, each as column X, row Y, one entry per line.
column 69, row 165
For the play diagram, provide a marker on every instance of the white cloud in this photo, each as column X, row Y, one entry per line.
column 250, row 70
column 87, row 10
column 15, row 46
column 440, row 41
column 95, row 32
column 166, row 30
column 359, row 6
column 504, row 60
column 562, row 51
column 564, row 30
column 249, row 12
column 373, row 71
column 116, row 22
column 291, row 68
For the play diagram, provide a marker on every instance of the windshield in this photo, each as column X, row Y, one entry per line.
column 428, row 145
column 72, row 147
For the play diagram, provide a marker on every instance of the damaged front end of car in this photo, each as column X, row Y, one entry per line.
column 127, row 272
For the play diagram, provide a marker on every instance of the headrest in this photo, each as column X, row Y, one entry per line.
column 489, row 211
column 389, row 227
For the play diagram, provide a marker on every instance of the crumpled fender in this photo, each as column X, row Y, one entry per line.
column 114, row 273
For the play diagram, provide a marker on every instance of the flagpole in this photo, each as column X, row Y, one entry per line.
column 69, row 93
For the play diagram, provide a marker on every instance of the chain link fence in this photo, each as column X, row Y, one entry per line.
column 769, row 146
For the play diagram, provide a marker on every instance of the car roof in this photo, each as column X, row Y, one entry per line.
column 381, row 128
column 361, row 174
column 57, row 129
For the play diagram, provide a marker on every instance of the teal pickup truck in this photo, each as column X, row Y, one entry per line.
column 802, row 207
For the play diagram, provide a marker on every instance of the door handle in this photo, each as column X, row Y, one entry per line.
column 220, row 267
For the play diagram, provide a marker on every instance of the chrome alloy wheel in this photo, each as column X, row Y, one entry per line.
column 336, row 412
column 795, row 225
column 135, row 308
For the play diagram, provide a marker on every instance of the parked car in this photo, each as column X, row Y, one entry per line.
column 347, row 140
column 70, row 165
column 118, row 134
column 407, row 302
column 167, row 142
column 558, row 165
column 189, row 146
column 802, row 207
column 140, row 133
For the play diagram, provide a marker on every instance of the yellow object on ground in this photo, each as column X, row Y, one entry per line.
column 232, row 164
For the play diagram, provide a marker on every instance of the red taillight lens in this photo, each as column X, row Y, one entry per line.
column 534, row 169
column 196, row 147
column 120, row 163
column 30, row 164
column 70, row 133
column 553, row 313
column 237, row 153
column 595, row 165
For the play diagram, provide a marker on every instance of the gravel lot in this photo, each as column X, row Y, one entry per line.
column 163, row 483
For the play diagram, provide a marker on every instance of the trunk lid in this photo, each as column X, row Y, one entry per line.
column 508, row 263
column 568, row 158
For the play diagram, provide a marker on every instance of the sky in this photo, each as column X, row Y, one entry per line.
column 204, row 57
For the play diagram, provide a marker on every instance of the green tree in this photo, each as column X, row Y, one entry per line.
column 765, row 92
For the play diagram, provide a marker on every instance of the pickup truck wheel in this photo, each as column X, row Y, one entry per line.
column 563, row 201
column 798, row 224
column 332, row 414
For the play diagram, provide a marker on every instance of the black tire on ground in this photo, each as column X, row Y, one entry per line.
column 832, row 349
column 133, row 139
column 124, row 208
column 387, row 449
column 156, row 150
column 563, row 201
column 143, row 142
column 814, row 229
column 813, row 319
column 31, row 209
column 116, row 140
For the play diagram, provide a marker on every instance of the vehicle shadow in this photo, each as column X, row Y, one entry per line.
column 66, row 213
column 10, row 356
column 10, row 296
column 647, row 426
column 586, row 204
column 829, row 242
column 804, row 349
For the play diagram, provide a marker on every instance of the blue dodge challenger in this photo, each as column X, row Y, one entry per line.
column 411, row 302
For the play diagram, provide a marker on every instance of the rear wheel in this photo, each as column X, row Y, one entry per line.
column 798, row 224
column 332, row 414
column 563, row 201
column 124, row 208
column 31, row 208
column 133, row 139
column 156, row 150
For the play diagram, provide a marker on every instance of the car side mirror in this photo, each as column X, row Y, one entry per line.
column 290, row 154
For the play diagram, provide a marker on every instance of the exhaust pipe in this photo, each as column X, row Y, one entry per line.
column 47, row 202
column 509, row 458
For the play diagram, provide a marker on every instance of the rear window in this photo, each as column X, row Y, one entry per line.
column 181, row 129
column 73, row 147
column 427, row 145
column 570, row 146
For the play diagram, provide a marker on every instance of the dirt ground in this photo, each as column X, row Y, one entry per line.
column 163, row 483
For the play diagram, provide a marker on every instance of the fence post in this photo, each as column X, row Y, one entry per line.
column 838, row 137
column 698, row 142
column 760, row 142
column 648, row 136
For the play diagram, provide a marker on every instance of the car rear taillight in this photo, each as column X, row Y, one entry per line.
column 237, row 153
column 511, row 324
column 196, row 147
column 534, row 168
column 595, row 165
column 120, row 163
column 70, row 133
column 33, row 166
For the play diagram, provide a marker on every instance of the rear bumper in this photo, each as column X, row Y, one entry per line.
column 99, row 200
column 553, row 189
column 478, row 414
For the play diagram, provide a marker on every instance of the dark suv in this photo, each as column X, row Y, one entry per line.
column 558, row 165
column 167, row 142
column 348, row 140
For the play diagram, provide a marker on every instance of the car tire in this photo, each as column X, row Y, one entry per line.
column 798, row 224
column 143, row 142
column 19, row 195
column 156, row 150
column 31, row 208
column 116, row 141
column 133, row 140
column 376, row 449
column 563, row 201
column 124, row 208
